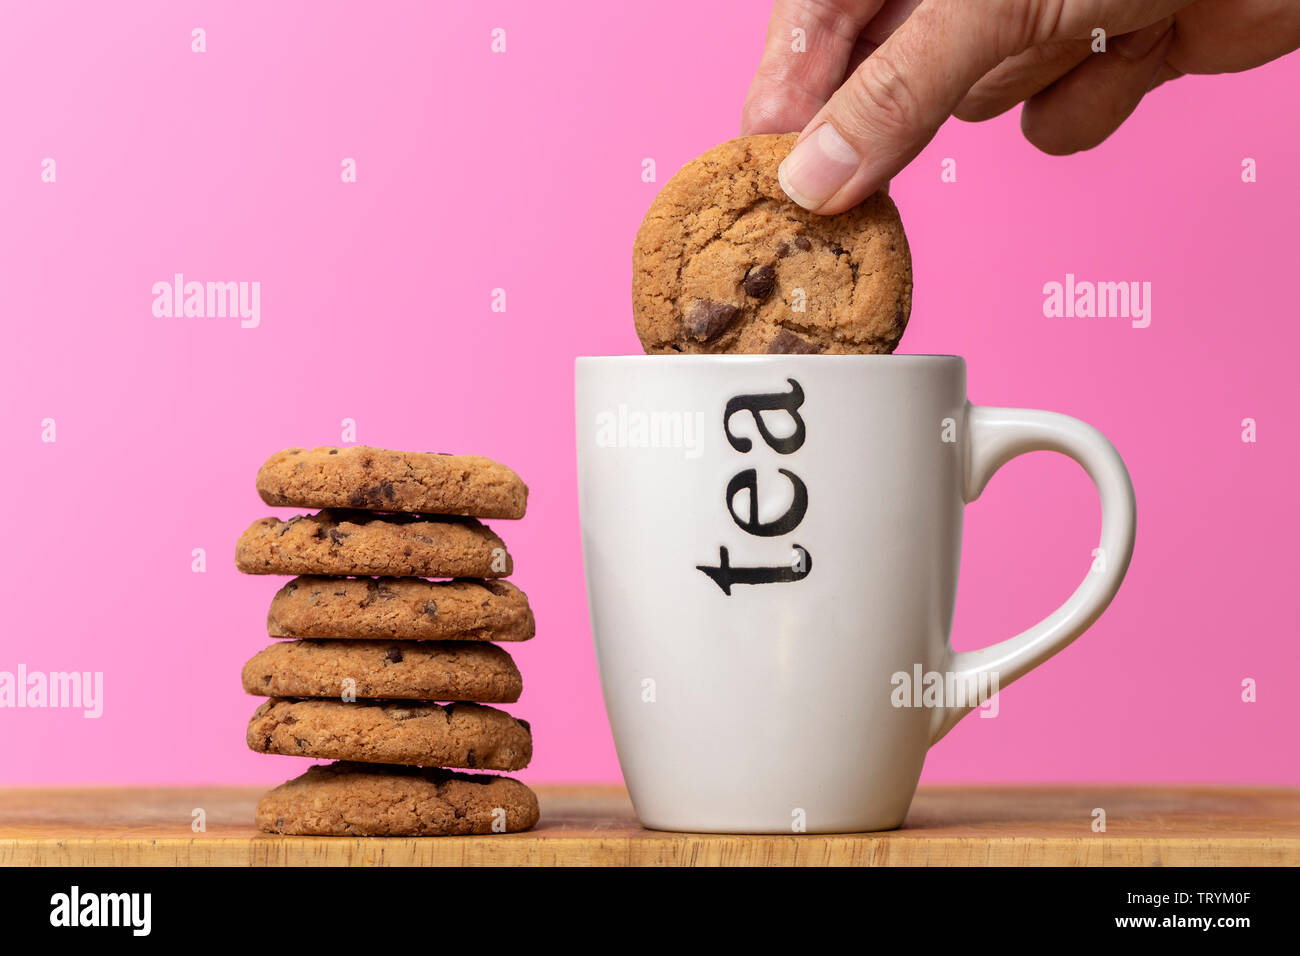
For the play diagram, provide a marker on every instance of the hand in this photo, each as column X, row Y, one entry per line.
column 879, row 77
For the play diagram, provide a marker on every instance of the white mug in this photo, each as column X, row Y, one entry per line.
column 771, row 546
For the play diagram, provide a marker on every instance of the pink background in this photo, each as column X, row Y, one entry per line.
column 522, row 171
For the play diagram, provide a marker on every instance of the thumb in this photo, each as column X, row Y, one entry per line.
column 896, row 100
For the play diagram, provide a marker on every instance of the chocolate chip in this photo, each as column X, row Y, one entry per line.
column 496, row 587
column 393, row 655
column 291, row 587
column 279, row 823
column 290, row 719
column 471, row 759
column 710, row 319
column 759, row 282
column 783, row 250
column 837, row 250
column 300, row 742
column 802, row 243
column 787, row 343
column 373, row 496
column 334, row 451
column 431, row 608
column 266, row 680
column 337, row 536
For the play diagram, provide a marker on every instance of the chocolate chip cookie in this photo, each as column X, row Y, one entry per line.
column 405, row 670
column 352, row 799
column 725, row 262
column 376, row 479
column 408, row 732
column 400, row 608
column 359, row 542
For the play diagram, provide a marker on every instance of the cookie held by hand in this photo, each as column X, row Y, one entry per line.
column 726, row 262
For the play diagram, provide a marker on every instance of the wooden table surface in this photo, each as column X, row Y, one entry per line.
column 947, row 825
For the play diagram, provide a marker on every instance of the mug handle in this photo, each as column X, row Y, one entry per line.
column 994, row 437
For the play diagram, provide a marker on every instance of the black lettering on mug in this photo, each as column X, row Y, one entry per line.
column 756, row 405
column 724, row 575
column 747, row 480
column 796, row 569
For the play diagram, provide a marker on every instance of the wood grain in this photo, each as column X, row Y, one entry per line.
column 1145, row 826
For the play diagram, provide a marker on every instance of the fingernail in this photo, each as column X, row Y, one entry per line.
column 1140, row 43
column 817, row 168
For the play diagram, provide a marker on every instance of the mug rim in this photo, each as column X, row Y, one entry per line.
column 748, row 359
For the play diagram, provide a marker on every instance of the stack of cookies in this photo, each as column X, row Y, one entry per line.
column 381, row 669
